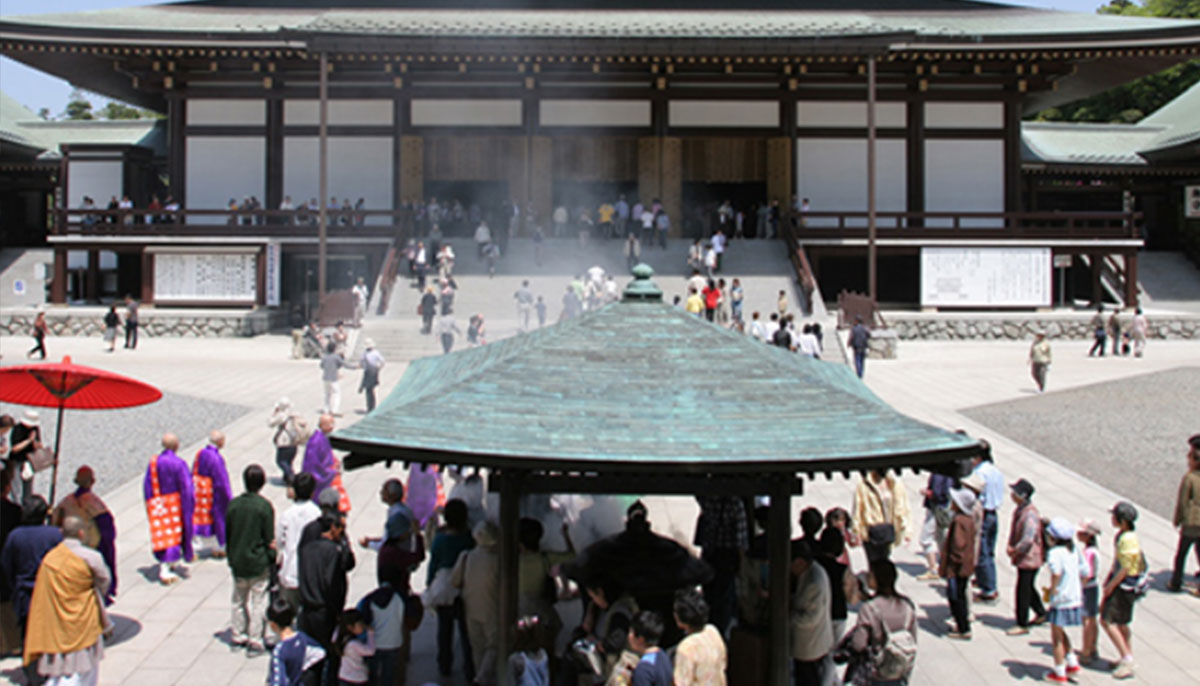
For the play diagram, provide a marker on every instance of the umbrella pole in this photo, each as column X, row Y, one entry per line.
column 57, row 446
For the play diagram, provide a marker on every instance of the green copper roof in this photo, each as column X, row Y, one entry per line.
column 640, row 386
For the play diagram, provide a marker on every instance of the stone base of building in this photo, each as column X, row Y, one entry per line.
column 1021, row 327
column 166, row 323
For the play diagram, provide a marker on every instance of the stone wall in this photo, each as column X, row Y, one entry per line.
column 175, row 323
column 1021, row 327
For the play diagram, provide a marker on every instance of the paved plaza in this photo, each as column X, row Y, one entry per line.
column 179, row 634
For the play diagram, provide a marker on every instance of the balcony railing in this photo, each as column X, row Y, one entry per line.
column 942, row 225
column 271, row 223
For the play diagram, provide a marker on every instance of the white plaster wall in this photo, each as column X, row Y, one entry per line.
column 224, row 167
column 429, row 112
column 722, row 113
column 358, row 167
column 100, row 180
column 341, row 112
column 226, row 112
column 964, row 115
column 848, row 114
column 594, row 112
column 964, row 176
column 832, row 174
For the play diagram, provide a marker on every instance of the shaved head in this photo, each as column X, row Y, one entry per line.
column 74, row 527
column 85, row 477
column 325, row 423
column 217, row 438
column 170, row 441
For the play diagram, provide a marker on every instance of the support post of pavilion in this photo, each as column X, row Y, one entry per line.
column 510, row 514
column 323, row 172
column 779, row 556
column 871, row 256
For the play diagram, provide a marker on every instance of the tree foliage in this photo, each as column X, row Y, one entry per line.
column 1130, row 102
column 78, row 107
column 116, row 110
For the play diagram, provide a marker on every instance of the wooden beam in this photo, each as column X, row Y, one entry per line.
column 779, row 536
column 510, row 493
column 614, row 484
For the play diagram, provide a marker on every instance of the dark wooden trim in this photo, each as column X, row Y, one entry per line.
column 147, row 277
column 594, row 131
column 342, row 130
column 1012, row 155
column 915, row 156
column 274, row 150
column 91, row 287
column 605, row 484
column 58, row 283
column 260, row 276
column 840, row 132
column 232, row 130
column 779, row 533
column 972, row 134
column 434, row 131
column 177, row 147
column 724, row 132
column 400, row 111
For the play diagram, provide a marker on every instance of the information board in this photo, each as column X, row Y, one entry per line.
column 274, row 257
column 985, row 277
column 205, row 277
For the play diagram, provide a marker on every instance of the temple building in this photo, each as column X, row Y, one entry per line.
column 566, row 102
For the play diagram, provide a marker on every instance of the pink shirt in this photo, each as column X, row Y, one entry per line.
column 354, row 663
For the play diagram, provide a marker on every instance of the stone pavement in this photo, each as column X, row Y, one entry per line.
column 179, row 635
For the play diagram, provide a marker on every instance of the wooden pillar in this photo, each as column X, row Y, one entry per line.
column 412, row 169
column 542, row 186
column 176, row 149
column 649, row 164
column 510, row 494
column 779, row 171
column 914, row 148
column 91, row 287
column 1012, row 155
column 1131, row 279
column 779, row 537
column 399, row 121
column 260, row 277
column 518, row 169
column 147, row 277
column 1097, row 260
column 275, row 161
column 58, row 282
column 671, row 183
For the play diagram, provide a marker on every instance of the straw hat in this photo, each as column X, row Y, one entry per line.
column 30, row 418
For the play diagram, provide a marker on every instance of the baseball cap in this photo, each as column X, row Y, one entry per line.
column 1022, row 488
column 1061, row 529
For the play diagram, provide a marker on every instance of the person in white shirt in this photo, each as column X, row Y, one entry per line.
column 483, row 236
column 756, row 328
column 710, row 261
column 647, row 227
column 718, row 246
column 361, row 295
column 560, row 221
column 125, row 205
column 809, row 345
column 288, row 530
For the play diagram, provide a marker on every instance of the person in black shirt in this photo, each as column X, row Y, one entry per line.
column 324, row 563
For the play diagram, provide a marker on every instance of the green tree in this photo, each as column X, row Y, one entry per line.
column 1145, row 95
column 116, row 110
column 44, row 113
column 78, row 107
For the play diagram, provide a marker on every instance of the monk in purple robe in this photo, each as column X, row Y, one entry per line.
column 209, row 473
column 318, row 456
column 173, row 477
column 100, row 528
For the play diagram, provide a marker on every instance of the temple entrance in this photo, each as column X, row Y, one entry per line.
column 702, row 200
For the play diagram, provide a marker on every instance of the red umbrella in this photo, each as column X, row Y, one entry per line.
column 70, row 386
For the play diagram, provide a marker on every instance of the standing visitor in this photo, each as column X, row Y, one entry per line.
column 662, row 227
column 1026, row 550
column 1090, row 575
column 885, row 638
column 447, row 330
column 632, row 250
column 860, row 342
column 958, row 560
column 1099, row 332
column 170, row 505
column 881, row 514
column 694, row 303
column 23, row 553
column 736, row 297
column 811, row 623
column 1114, row 331
column 451, row 541
column 112, row 321
column 1039, row 359
column 288, row 530
column 541, row 311
column 712, row 299
column 647, row 219
column 39, row 336
column 297, row 658
column 718, row 244
column 622, row 223
column 362, row 294
column 322, row 576
column 654, row 665
column 723, row 535
column 427, row 309
column 131, row 322
column 831, row 546
column 289, row 434
column 1065, row 595
column 24, row 439
column 1125, row 585
column 66, row 619
column 210, row 480
column 529, row 665
column 331, row 371
column 700, row 657
column 990, row 498
column 937, row 521
column 372, row 363
column 354, row 643
column 383, row 612
column 524, row 298
column 250, row 529
column 1187, row 515
column 101, row 527
column 483, row 237
column 477, row 574
column 1139, row 328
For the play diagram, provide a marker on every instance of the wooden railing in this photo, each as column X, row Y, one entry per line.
column 973, row 225
column 387, row 278
column 799, row 259
column 272, row 223
column 853, row 305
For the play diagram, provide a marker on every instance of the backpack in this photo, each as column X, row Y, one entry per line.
column 896, row 657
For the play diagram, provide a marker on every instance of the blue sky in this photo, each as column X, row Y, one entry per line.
column 36, row 90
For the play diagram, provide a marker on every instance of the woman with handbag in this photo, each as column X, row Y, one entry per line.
column 452, row 540
column 881, row 514
column 26, row 450
column 288, row 437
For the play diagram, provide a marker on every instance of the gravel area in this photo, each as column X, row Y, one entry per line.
column 117, row 443
column 1129, row 435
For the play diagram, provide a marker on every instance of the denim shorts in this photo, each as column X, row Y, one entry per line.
column 1066, row 616
column 1091, row 601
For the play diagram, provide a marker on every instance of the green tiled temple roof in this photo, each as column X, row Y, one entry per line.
column 642, row 386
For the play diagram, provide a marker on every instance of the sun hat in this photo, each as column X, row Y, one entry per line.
column 1089, row 526
column 369, row 343
column 1022, row 488
column 1061, row 528
column 974, row 482
column 964, row 498
column 30, row 418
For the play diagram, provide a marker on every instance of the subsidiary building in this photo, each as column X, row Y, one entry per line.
column 688, row 101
